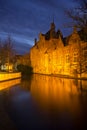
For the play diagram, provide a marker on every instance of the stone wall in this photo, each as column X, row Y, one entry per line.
column 8, row 76
column 54, row 57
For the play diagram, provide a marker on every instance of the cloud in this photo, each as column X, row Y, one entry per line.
column 27, row 18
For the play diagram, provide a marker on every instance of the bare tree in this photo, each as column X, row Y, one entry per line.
column 79, row 16
column 7, row 51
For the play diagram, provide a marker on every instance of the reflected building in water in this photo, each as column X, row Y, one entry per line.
column 48, row 103
column 9, row 83
column 48, row 90
column 58, row 97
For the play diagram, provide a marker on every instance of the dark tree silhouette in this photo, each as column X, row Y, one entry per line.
column 79, row 16
column 7, row 51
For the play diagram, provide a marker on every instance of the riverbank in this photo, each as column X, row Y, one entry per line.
column 71, row 77
column 8, row 76
column 64, row 76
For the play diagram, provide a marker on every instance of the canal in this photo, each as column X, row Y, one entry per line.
column 43, row 103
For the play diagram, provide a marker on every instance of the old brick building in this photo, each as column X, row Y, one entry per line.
column 54, row 54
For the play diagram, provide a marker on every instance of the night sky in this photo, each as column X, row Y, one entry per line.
column 23, row 20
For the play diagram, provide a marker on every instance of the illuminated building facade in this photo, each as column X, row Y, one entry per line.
column 53, row 54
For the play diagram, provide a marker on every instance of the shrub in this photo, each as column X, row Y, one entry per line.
column 24, row 69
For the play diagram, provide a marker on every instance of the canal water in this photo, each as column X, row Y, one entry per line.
column 44, row 102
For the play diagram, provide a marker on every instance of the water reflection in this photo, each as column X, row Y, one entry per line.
column 26, row 82
column 49, row 90
column 60, row 93
column 47, row 103
column 59, row 98
column 9, row 83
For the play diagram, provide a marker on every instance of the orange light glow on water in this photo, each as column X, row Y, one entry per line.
column 49, row 91
column 8, row 84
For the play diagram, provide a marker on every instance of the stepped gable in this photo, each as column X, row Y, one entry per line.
column 80, row 35
column 73, row 38
column 52, row 34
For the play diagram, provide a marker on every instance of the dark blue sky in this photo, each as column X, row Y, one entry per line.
column 23, row 20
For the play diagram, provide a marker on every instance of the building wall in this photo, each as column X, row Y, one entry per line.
column 24, row 60
column 53, row 57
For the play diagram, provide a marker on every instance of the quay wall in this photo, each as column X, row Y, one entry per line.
column 8, row 76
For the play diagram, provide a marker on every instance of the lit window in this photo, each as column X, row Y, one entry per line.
column 75, row 57
column 67, row 58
